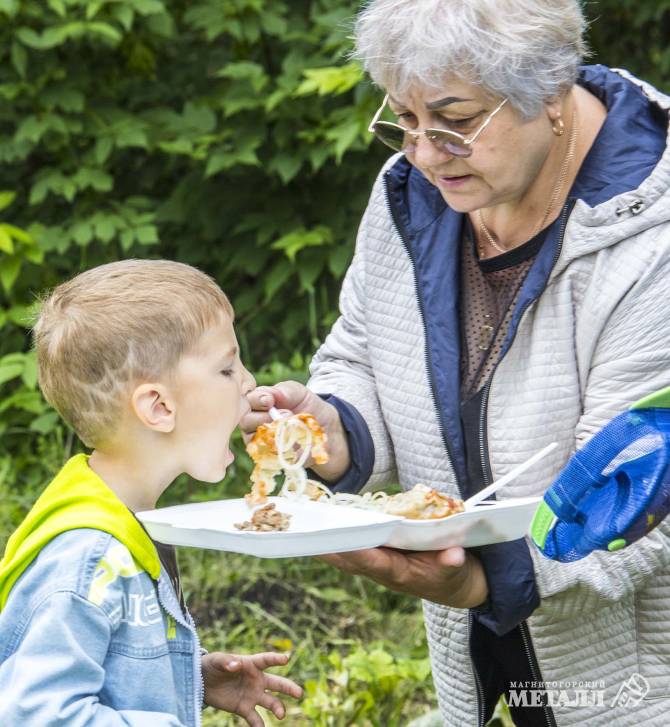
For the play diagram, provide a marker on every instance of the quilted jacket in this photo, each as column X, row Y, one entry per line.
column 590, row 335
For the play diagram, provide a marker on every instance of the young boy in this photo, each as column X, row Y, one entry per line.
column 140, row 357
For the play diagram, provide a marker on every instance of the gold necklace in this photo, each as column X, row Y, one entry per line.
column 560, row 183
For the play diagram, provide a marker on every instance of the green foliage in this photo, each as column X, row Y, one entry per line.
column 207, row 131
column 230, row 134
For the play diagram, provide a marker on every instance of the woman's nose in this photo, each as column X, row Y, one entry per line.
column 427, row 154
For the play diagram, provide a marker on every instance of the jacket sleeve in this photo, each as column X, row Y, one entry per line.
column 56, row 673
column 341, row 368
column 631, row 359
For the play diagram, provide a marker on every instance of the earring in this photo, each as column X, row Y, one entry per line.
column 559, row 127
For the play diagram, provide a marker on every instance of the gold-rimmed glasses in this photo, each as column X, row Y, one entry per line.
column 400, row 138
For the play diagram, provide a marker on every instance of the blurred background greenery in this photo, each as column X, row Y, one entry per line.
column 230, row 134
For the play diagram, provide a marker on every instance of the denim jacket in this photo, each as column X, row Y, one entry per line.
column 88, row 637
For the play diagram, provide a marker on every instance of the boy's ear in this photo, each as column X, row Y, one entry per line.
column 154, row 407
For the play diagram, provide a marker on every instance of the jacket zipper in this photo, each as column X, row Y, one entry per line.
column 535, row 670
column 483, row 449
column 475, row 675
column 177, row 615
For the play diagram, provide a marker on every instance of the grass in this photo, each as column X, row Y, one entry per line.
column 353, row 644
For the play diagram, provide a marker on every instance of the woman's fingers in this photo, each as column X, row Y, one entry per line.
column 251, row 421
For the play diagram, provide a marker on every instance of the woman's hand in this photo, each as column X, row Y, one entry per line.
column 452, row 577
column 297, row 398
column 238, row 684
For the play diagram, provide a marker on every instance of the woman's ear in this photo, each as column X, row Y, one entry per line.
column 154, row 407
column 554, row 109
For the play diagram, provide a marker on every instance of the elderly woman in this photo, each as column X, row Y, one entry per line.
column 509, row 289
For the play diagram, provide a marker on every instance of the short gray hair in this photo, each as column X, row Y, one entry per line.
column 527, row 50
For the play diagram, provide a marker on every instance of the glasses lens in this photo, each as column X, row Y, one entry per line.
column 392, row 136
column 449, row 142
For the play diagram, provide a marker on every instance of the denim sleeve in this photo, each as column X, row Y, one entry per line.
column 361, row 446
column 56, row 672
column 513, row 593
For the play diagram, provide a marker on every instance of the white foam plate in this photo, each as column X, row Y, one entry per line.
column 486, row 523
column 318, row 528
column 315, row 528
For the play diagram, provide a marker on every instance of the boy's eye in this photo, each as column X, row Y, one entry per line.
column 227, row 372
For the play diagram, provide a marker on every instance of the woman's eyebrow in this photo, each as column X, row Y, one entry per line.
column 433, row 105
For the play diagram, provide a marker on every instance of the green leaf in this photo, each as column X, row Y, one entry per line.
column 301, row 238
column 6, row 198
column 127, row 240
column 148, row 7
column 245, row 71
column 339, row 259
column 21, row 315
column 147, row 235
column 9, row 7
column 58, row 6
column 19, row 59
column 286, row 164
column 10, row 370
column 274, row 280
column 9, row 271
column 105, row 229
column 332, row 80
column 125, row 15
column 30, row 401
column 103, row 148
column 29, row 375
column 82, row 232
column 46, row 423
column 6, row 242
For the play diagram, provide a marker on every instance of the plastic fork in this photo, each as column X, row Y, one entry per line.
column 505, row 479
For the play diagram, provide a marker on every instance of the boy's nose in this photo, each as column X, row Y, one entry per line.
column 248, row 381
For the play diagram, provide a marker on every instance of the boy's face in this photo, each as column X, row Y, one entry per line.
column 210, row 391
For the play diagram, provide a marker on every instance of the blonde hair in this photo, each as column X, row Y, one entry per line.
column 118, row 324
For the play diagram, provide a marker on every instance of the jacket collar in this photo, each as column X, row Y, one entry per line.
column 76, row 498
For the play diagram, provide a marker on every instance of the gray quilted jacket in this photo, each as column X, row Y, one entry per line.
column 591, row 339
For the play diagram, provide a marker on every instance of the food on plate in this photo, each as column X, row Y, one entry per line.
column 419, row 503
column 422, row 503
column 266, row 519
column 284, row 445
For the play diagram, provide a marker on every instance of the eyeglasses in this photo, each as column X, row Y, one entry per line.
column 399, row 138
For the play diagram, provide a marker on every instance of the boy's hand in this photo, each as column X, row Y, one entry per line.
column 238, row 684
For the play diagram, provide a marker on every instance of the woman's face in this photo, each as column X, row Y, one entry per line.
column 506, row 158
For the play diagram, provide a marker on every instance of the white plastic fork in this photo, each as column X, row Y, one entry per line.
column 505, row 479
column 275, row 413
